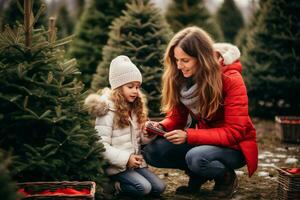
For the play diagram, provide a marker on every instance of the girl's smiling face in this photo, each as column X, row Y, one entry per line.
column 186, row 63
column 131, row 90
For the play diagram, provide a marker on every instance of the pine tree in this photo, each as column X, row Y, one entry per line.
column 272, row 60
column 230, row 20
column 13, row 13
column 8, row 188
column 41, row 115
column 92, row 34
column 184, row 13
column 141, row 34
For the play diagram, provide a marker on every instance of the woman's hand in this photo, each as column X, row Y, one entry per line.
column 176, row 136
column 134, row 161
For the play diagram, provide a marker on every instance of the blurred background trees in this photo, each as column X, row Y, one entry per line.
column 142, row 34
column 272, row 60
column 230, row 20
column 184, row 13
column 92, row 34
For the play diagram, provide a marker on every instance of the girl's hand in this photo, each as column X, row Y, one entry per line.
column 176, row 136
column 134, row 161
column 149, row 134
column 153, row 123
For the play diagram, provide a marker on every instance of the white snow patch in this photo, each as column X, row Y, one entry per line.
column 291, row 160
column 263, row 174
column 266, row 165
column 268, row 153
column 280, row 149
column 275, row 160
column 261, row 156
column 280, row 156
column 239, row 173
column 293, row 148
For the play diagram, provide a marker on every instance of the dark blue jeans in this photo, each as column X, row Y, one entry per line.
column 139, row 182
column 206, row 161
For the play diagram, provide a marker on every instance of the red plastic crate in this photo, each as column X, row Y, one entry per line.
column 34, row 188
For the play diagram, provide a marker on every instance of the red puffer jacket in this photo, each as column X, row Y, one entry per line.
column 230, row 127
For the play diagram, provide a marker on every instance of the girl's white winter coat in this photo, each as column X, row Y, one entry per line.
column 119, row 143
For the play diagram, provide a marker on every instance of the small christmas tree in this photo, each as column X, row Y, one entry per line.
column 184, row 13
column 230, row 20
column 41, row 115
column 14, row 12
column 8, row 189
column 141, row 34
column 272, row 60
column 92, row 34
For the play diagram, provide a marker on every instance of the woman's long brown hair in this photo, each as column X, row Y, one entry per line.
column 123, row 107
column 198, row 44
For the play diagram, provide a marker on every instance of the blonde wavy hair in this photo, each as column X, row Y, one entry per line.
column 123, row 107
column 197, row 43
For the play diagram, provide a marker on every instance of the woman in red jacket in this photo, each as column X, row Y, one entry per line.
column 209, row 131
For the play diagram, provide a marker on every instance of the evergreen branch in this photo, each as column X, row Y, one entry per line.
column 15, row 46
column 92, row 150
column 31, row 112
column 19, row 87
column 37, row 36
column 61, row 44
column 45, row 114
column 31, row 151
column 12, row 101
column 40, row 46
column 68, row 38
column 51, row 140
column 60, row 119
column 40, row 11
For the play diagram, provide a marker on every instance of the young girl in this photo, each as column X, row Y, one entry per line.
column 209, row 131
column 121, row 116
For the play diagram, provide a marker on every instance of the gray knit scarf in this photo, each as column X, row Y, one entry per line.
column 189, row 97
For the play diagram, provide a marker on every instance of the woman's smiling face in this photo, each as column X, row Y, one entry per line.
column 186, row 63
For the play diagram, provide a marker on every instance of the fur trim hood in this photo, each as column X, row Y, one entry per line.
column 229, row 52
column 99, row 104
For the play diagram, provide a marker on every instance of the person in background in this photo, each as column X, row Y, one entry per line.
column 209, row 132
column 121, row 115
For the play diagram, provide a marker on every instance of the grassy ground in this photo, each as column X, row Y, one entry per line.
column 262, row 185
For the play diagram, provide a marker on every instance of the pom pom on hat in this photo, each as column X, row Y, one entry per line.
column 123, row 71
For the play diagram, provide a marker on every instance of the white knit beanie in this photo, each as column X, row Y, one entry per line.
column 122, row 71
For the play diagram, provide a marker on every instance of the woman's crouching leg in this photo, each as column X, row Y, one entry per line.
column 163, row 154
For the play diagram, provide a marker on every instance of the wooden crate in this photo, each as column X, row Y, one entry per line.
column 34, row 188
column 288, row 128
column 288, row 185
